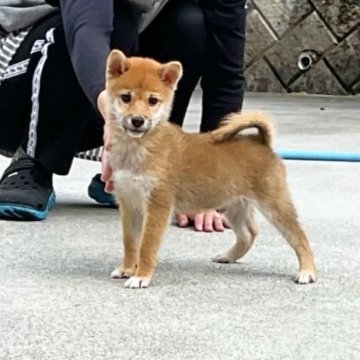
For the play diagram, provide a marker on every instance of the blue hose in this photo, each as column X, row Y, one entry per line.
column 319, row 155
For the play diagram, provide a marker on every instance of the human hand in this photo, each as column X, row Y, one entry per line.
column 207, row 220
column 106, row 169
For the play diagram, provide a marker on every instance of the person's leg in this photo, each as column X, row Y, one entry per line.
column 125, row 32
column 60, row 111
column 44, row 114
column 44, row 110
column 178, row 33
column 26, row 186
column 223, row 80
column 15, row 89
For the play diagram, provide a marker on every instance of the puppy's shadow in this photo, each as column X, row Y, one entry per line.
column 199, row 270
column 81, row 210
column 167, row 274
column 81, row 205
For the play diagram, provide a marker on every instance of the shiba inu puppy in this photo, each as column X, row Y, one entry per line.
column 158, row 169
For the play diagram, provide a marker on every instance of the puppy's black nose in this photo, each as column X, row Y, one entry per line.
column 137, row 121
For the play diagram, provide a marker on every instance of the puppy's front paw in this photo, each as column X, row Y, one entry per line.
column 224, row 259
column 305, row 277
column 136, row 282
column 121, row 273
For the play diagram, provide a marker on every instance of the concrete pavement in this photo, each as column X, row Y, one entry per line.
column 58, row 302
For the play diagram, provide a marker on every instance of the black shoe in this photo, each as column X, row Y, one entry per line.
column 96, row 191
column 26, row 191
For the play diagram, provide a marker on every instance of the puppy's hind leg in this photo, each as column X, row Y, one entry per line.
column 242, row 220
column 278, row 208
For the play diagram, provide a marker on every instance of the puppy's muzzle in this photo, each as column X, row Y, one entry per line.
column 136, row 126
column 137, row 122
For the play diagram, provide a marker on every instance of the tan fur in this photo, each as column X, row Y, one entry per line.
column 163, row 169
column 234, row 123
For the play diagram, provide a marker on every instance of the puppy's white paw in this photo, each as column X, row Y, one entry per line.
column 224, row 259
column 136, row 282
column 119, row 273
column 305, row 277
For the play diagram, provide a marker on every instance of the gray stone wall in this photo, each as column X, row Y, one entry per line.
column 310, row 46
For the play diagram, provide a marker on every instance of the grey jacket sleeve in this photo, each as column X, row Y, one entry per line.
column 88, row 25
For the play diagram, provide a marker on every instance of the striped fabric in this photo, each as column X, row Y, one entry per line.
column 93, row 155
column 8, row 46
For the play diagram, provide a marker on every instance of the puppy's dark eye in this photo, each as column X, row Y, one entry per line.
column 126, row 98
column 153, row 100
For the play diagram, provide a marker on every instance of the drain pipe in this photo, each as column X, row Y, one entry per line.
column 319, row 155
column 307, row 59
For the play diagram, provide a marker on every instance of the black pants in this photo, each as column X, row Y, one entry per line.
column 45, row 110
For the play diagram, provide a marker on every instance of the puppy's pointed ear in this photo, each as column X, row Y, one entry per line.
column 171, row 73
column 117, row 64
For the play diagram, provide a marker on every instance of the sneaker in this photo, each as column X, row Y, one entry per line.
column 96, row 191
column 26, row 191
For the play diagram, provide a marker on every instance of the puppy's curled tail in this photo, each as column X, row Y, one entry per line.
column 233, row 123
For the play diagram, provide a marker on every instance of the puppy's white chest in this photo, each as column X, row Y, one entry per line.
column 127, row 156
column 131, row 180
column 132, row 186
